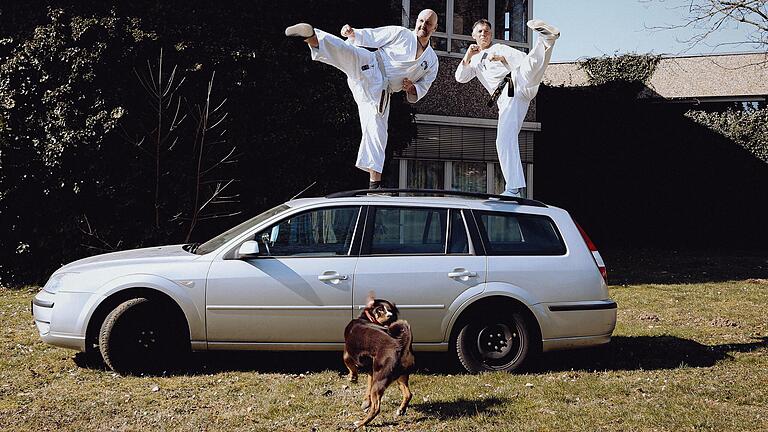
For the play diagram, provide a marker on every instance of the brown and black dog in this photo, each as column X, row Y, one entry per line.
column 378, row 340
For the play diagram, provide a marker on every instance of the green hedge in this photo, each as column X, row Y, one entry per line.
column 748, row 128
column 625, row 67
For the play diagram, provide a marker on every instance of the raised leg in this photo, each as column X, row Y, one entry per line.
column 332, row 50
column 534, row 65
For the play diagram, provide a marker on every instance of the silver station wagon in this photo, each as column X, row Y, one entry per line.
column 494, row 280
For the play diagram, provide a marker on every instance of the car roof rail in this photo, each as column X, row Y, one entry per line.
column 436, row 192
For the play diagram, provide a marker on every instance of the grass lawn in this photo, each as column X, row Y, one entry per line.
column 683, row 357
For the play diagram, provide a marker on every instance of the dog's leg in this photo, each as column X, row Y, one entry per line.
column 407, row 395
column 367, row 400
column 377, row 391
column 350, row 363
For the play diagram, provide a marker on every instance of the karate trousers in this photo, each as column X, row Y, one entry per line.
column 512, row 110
column 368, row 86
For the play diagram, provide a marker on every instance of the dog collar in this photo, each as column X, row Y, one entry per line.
column 370, row 318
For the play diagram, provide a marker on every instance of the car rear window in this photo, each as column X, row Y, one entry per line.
column 520, row 234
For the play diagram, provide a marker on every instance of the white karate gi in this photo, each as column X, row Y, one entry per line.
column 527, row 73
column 370, row 85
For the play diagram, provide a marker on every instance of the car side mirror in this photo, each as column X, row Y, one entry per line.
column 249, row 249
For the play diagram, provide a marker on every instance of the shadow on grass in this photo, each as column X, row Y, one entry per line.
column 623, row 353
column 284, row 362
column 644, row 353
column 461, row 408
column 300, row 362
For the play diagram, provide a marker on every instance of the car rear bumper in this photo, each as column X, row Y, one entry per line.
column 574, row 342
column 587, row 320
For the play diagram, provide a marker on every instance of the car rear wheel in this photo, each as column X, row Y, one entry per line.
column 498, row 342
column 140, row 336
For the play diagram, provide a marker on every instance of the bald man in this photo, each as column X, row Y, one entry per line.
column 403, row 60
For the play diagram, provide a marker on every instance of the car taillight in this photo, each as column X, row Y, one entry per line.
column 595, row 254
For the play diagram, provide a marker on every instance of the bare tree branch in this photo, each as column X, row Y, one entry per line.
column 708, row 17
column 105, row 246
column 205, row 150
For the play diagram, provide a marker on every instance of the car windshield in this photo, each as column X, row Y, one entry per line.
column 220, row 239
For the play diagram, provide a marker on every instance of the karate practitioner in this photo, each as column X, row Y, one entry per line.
column 495, row 66
column 404, row 60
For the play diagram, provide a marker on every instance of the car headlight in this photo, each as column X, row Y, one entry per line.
column 55, row 282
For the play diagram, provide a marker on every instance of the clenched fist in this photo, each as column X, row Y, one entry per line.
column 347, row 31
column 408, row 86
column 471, row 51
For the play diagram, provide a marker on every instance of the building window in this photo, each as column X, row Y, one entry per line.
column 426, row 174
column 465, row 13
column 453, row 36
column 510, row 18
column 470, row 176
column 467, row 176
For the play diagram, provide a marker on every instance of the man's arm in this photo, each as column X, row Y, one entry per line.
column 417, row 90
column 510, row 57
column 371, row 38
column 465, row 72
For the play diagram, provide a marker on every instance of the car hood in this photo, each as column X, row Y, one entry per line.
column 151, row 255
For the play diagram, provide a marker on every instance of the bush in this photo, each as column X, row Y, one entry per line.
column 747, row 128
column 78, row 170
column 60, row 107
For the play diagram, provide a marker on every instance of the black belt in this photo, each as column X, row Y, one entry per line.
column 496, row 93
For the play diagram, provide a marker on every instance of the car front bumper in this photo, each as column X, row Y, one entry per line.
column 60, row 318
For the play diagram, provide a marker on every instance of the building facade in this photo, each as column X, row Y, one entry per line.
column 456, row 131
column 708, row 82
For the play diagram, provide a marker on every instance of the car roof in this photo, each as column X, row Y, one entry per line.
column 478, row 203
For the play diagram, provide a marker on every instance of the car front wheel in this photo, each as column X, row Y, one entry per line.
column 140, row 336
column 498, row 342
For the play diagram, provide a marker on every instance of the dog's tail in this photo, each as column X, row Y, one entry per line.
column 401, row 331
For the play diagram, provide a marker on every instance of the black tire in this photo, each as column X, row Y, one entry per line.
column 140, row 336
column 498, row 342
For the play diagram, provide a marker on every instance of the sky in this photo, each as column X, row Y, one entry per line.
column 592, row 28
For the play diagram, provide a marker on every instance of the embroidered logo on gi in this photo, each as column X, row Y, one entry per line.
column 481, row 64
column 424, row 65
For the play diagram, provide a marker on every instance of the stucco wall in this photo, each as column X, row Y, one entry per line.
column 449, row 98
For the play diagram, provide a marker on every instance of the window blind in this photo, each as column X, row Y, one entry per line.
column 461, row 143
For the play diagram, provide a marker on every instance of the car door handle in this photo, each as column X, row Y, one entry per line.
column 459, row 273
column 332, row 276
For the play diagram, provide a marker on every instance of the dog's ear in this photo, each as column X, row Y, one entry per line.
column 395, row 310
column 371, row 298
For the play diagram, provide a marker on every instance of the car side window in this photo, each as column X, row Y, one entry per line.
column 457, row 234
column 520, row 234
column 408, row 230
column 320, row 232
